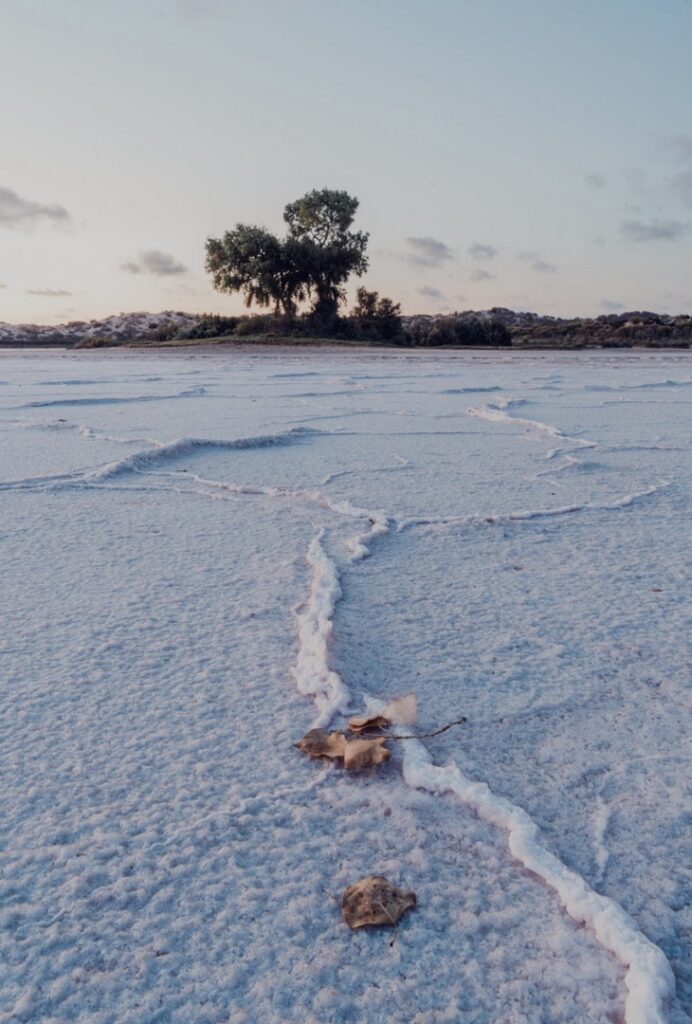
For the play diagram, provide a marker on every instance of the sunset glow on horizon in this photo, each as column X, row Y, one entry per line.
column 535, row 156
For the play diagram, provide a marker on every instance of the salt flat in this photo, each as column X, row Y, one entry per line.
column 204, row 553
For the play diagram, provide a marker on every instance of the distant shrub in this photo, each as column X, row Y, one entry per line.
column 375, row 318
column 210, row 326
column 97, row 341
column 249, row 325
column 446, row 331
column 165, row 331
column 457, row 330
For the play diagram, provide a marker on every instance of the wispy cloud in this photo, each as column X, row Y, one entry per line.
column 482, row 275
column 48, row 293
column 543, row 267
column 153, row 261
column 17, row 212
column 611, row 305
column 681, row 185
column 428, row 252
column 680, row 146
column 479, row 251
column 185, row 289
column 537, row 263
column 593, row 180
column 429, row 292
column 653, row 230
column 161, row 263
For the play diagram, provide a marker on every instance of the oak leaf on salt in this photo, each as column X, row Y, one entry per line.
column 320, row 743
column 375, row 901
column 402, row 711
column 361, row 753
column 365, row 753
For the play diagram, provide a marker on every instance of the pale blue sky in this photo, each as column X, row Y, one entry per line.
column 526, row 153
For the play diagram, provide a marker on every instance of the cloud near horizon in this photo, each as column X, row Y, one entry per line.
column 428, row 252
column 611, row 305
column 537, row 263
column 48, row 293
column 17, row 212
column 428, row 292
column 153, row 261
column 482, row 275
column 653, row 231
column 479, row 251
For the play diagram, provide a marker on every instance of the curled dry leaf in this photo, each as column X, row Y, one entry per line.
column 375, row 901
column 402, row 711
column 368, row 723
column 320, row 743
column 355, row 753
column 364, row 753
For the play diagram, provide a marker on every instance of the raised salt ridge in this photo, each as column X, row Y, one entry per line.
column 649, row 978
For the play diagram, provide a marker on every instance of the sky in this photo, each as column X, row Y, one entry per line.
column 534, row 154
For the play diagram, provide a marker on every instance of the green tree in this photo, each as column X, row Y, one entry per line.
column 377, row 318
column 329, row 251
column 264, row 269
column 316, row 258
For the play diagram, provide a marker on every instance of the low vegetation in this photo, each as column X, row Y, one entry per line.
column 373, row 321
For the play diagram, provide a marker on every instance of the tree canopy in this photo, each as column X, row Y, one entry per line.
column 315, row 259
column 260, row 266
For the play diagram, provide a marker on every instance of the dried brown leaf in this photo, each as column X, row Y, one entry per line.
column 364, row 753
column 375, row 901
column 368, row 723
column 402, row 711
column 320, row 743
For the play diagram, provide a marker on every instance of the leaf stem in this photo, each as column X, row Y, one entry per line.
column 423, row 735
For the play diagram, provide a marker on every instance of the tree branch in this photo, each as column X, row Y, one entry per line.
column 423, row 735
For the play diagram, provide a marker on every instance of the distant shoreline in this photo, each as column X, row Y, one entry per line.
column 228, row 345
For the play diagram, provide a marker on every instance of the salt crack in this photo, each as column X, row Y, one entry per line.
column 144, row 460
column 498, row 412
column 649, row 978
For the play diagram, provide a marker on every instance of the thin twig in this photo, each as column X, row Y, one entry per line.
column 422, row 735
